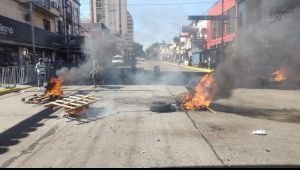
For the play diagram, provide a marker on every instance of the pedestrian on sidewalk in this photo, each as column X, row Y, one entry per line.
column 41, row 72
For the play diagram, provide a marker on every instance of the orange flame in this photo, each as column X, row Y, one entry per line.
column 280, row 75
column 56, row 90
column 203, row 94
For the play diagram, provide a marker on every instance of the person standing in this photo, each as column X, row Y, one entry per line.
column 41, row 72
column 95, row 69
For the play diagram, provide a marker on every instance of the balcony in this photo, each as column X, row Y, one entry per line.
column 42, row 3
column 42, row 6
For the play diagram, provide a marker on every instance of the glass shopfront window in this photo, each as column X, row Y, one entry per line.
column 8, row 56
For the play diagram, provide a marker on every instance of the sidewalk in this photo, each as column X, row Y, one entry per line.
column 206, row 70
column 4, row 91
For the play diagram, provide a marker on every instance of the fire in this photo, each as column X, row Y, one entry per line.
column 55, row 87
column 202, row 96
column 280, row 75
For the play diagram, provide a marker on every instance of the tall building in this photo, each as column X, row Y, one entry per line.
column 113, row 13
column 130, row 32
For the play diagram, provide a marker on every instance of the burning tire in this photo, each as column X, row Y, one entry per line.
column 161, row 107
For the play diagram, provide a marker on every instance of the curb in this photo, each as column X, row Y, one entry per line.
column 193, row 68
column 11, row 90
column 199, row 69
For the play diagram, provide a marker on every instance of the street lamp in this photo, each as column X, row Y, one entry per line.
column 180, row 32
column 32, row 29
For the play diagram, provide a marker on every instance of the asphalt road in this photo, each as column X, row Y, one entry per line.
column 164, row 66
column 121, row 131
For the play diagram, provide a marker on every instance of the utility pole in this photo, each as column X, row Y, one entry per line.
column 32, row 29
column 180, row 32
column 65, row 4
column 222, row 39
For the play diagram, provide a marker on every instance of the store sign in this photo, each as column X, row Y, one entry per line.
column 6, row 30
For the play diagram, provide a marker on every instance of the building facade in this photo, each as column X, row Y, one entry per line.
column 259, row 12
column 270, row 30
column 215, row 27
column 113, row 13
column 55, row 22
column 130, row 32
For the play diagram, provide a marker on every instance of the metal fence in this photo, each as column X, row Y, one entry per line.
column 11, row 76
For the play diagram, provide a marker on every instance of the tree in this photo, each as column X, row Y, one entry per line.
column 138, row 50
column 153, row 51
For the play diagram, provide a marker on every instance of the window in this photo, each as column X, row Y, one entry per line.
column 47, row 25
column 69, row 7
column 213, row 30
column 219, row 29
column 60, row 27
column 231, row 23
column 240, row 19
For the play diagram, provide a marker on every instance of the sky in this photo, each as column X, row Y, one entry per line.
column 159, row 20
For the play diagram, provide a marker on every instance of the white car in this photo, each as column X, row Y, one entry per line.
column 118, row 60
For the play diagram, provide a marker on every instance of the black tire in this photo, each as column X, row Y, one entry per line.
column 156, row 71
column 161, row 107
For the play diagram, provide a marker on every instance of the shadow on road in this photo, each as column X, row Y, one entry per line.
column 281, row 115
column 92, row 114
column 13, row 135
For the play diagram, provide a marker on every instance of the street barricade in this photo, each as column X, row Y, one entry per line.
column 13, row 75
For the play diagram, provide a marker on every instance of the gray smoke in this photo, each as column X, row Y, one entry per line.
column 261, row 51
column 99, row 46
column 102, row 109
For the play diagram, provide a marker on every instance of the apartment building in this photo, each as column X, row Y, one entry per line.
column 130, row 32
column 113, row 13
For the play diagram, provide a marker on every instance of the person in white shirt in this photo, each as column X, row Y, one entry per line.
column 41, row 72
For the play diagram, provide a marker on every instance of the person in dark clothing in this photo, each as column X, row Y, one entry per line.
column 95, row 69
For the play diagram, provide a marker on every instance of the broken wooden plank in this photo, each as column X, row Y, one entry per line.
column 211, row 110
column 62, row 105
column 84, row 99
column 89, row 96
column 70, row 103
column 77, row 101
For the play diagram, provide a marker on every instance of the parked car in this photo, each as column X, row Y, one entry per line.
column 118, row 60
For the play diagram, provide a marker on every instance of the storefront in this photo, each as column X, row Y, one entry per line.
column 8, row 55
column 16, row 43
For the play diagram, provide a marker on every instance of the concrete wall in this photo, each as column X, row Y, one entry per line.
column 13, row 10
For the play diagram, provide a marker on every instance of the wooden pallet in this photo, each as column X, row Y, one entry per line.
column 202, row 108
column 74, row 105
column 40, row 99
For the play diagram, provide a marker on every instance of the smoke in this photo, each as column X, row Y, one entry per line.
column 102, row 109
column 262, row 49
column 99, row 46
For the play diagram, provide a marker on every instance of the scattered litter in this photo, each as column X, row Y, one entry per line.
column 22, row 91
column 259, row 132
